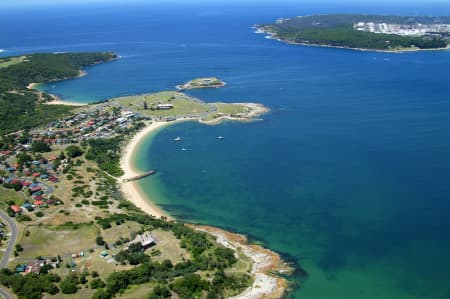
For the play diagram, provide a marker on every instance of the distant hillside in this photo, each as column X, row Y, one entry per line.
column 23, row 108
column 339, row 30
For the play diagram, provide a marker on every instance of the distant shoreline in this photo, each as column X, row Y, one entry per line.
column 57, row 100
column 271, row 35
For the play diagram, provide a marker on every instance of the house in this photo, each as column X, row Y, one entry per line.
column 164, row 106
column 127, row 114
column 121, row 120
column 35, row 189
column 39, row 203
column 38, row 197
column 53, row 179
column 21, row 268
column 16, row 209
column 146, row 240
column 35, row 266
column 27, row 205
column 25, row 183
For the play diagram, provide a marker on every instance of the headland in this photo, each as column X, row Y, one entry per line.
column 362, row 32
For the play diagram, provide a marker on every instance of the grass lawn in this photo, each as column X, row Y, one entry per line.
column 48, row 241
column 114, row 233
column 183, row 104
column 5, row 62
column 231, row 108
column 224, row 109
column 10, row 194
column 243, row 265
column 138, row 291
column 169, row 247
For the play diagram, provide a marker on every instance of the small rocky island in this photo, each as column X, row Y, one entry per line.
column 362, row 32
column 210, row 82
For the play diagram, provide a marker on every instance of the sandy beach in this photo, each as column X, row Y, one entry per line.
column 61, row 102
column 266, row 262
column 130, row 189
column 56, row 100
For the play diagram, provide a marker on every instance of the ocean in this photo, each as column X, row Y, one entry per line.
column 347, row 176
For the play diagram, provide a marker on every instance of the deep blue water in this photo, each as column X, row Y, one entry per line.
column 348, row 176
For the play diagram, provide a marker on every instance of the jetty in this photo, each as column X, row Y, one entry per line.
column 140, row 176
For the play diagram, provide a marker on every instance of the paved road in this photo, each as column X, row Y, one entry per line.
column 4, row 294
column 12, row 241
column 9, row 249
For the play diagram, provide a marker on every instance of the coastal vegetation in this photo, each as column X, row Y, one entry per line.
column 337, row 30
column 22, row 108
column 106, row 151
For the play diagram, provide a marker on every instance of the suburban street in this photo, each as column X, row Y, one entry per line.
column 5, row 294
column 9, row 249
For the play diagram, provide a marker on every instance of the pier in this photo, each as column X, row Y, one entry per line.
column 140, row 176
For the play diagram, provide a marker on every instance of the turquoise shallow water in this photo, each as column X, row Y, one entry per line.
column 347, row 176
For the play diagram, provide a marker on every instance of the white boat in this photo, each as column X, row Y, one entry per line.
column 220, row 137
column 184, row 149
column 177, row 139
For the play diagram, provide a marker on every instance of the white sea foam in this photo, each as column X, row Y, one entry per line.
column 1, row 50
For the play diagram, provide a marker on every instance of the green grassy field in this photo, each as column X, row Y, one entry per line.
column 48, row 241
column 169, row 246
column 10, row 194
column 224, row 109
column 5, row 62
column 183, row 105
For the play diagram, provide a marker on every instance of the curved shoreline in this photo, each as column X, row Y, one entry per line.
column 266, row 263
column 131, row 189
column 57, row 100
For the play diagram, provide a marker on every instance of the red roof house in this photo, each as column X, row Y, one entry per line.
column 35, row 189
column 38, row 197
column 16, row 208
column 39, row 203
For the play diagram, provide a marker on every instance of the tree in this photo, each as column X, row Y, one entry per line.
column 99, row 240
column 10, row 212
column 23, row 157
column 68, row 285
column 97, row 283
column 40, row 147
column 74, row 151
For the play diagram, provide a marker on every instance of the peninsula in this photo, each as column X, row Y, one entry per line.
column 25, row 108
column 211, row 82
column 362, row 32
column 84, row 229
